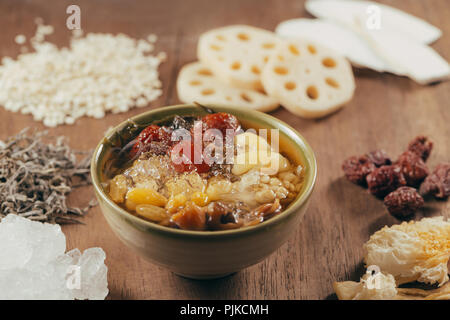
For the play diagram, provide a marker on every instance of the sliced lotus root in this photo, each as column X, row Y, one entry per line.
column 309, row 80
column 237, row 54
column 198, row 83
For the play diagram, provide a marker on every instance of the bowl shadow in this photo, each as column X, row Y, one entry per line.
column 210, row 289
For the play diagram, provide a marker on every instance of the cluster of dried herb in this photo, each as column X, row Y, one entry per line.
column 36, row 177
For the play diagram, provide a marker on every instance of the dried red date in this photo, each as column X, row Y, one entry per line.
column 379, row 158
column 385, row 179
column 397, row 182
column 185, row 158
column 438, row 182
column 153, row 138
column 403, row 202
column 413, row 167
column 221, row 121
column 356, row 169
column 421, row 146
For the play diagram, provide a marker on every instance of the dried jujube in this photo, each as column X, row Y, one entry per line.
column 397, row 182
column 379, row 158
column 385, row 179
column 221, row 121
column 413, row 168
column 356, row 169
column 438, row 182
column 421, row 146
column 153, row 138
column 403, row 202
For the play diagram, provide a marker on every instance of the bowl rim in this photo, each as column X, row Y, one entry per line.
column 296, row 138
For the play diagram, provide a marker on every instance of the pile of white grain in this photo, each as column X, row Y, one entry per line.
column 96, row 74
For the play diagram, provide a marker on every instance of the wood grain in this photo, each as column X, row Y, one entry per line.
column 386, row 112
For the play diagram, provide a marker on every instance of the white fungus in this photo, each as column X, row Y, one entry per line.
column 34, row 265
column 98, row 73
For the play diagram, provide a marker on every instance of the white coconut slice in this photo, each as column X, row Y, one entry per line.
column 237, row 53
column 308, row 79
column 197, row 83
column 334, row 36
column 413, row 59
column 390, row 19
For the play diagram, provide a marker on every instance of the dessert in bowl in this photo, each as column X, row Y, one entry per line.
column 191, row 188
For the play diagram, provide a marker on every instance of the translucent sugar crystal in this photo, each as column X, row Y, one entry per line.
column 33, row 264
column 28, row 244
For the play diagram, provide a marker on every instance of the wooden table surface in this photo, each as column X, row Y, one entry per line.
column 386, row 112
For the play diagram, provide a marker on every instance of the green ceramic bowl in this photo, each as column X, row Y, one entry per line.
column 203, row 254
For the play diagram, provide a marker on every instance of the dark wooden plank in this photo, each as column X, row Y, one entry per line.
column 386, row 112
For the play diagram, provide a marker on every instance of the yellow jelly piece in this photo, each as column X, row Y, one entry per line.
column 176, row 202
column 200, row 198
column 151, row 212
column 130, row 205
column 146, row 196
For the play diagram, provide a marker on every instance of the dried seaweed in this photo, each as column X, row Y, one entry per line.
column 36, row 177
